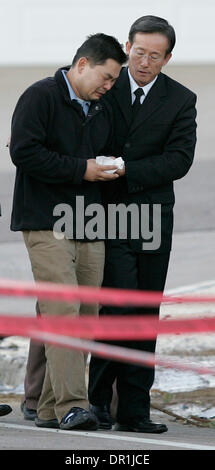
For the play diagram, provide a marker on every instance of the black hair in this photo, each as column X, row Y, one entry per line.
column 153, row 24
column 98, row 48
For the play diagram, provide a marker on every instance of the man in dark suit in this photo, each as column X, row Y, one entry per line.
column 155, row 135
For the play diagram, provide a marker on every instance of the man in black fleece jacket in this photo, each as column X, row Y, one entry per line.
column 58, row 128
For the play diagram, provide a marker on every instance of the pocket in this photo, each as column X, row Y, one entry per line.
column 33, row 238
column 39, row 236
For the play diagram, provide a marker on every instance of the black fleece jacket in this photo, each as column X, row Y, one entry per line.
column 51, row 141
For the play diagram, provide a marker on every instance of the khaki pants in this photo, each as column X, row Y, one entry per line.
column 67, row 262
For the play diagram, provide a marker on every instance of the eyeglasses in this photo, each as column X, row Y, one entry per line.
column 152, row 57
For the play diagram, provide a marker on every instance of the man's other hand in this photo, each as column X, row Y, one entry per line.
column 95, row 172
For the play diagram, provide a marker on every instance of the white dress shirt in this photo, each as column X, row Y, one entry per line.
column 134, row 87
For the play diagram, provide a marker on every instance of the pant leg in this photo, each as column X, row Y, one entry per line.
column 134, row 382
column 35, row 372
column 48, row 396
column 90, row 270
column 126, row 269
column 59, row 261
column 54, row 260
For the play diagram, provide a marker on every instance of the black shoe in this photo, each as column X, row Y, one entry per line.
column 5, row 410
column 146, row 425
column 28, row 413
column 47, row 423
column 78, row 418
column 103, row 415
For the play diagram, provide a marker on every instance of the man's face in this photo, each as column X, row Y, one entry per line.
column 95, row 80
column 147, row 56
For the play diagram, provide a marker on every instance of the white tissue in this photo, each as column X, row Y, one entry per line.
column 102, row 160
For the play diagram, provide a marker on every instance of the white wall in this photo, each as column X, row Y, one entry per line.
column 50, row 31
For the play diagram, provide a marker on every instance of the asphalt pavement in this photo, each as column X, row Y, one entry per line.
column 15, row 433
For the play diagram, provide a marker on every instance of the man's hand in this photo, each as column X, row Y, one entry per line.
column 95, row 172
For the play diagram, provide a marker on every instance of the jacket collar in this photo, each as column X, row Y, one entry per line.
column 95, row 106
column 62, row 83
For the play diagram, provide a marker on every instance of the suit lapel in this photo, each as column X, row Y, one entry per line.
column 153, row 101
column 122, row 93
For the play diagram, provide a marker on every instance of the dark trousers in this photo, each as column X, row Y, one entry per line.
column 126, row 269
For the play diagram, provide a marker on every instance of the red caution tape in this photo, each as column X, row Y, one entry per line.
column 57, row 329
column 104, row 296
column 104, row 328
column 104, row 350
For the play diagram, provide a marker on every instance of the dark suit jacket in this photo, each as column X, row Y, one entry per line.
column 157, row 146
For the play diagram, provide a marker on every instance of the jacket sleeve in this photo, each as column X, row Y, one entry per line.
column 177, row 156
column 28, row 147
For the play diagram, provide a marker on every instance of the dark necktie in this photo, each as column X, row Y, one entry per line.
column 136, row 105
